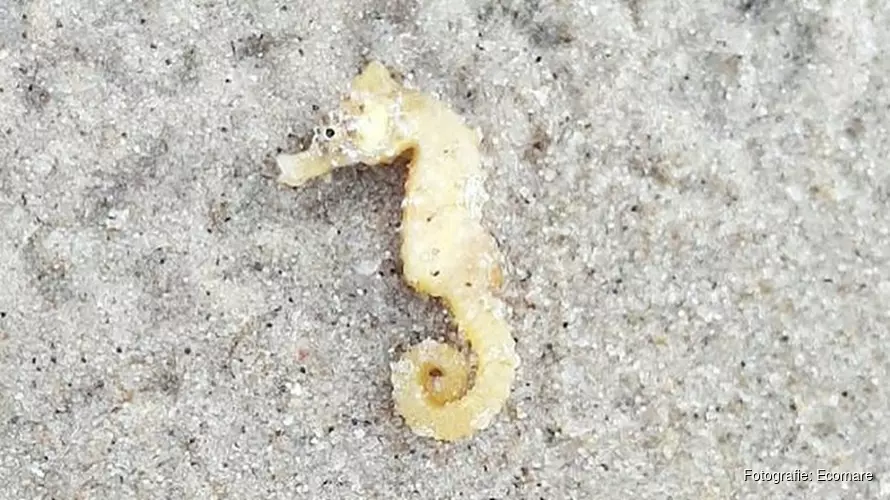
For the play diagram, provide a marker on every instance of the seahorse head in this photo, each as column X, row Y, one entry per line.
column 363, row 130
column 368, row 114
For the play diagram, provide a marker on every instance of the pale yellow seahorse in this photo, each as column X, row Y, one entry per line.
column 445, row 251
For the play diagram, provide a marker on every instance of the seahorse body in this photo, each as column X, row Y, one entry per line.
column 445, row 251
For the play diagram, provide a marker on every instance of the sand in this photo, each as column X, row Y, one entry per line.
column 692, row 199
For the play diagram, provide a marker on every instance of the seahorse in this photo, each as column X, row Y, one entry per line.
column 445, row 251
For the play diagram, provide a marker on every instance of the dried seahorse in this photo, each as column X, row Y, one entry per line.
column 445, row 250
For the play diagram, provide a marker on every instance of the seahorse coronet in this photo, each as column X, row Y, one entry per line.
column 446, row 252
